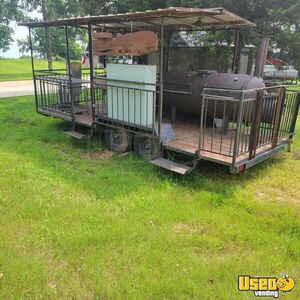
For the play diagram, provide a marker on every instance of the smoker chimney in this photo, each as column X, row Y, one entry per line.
column 261, row 56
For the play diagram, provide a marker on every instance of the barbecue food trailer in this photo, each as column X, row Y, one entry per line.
column 174, row 119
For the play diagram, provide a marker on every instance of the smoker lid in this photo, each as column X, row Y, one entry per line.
column 234, row 81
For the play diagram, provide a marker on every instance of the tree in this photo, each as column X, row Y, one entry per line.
column 46, row 8
column 8, row 12
column 58, row 43
column 277, row 18
column 50, row 42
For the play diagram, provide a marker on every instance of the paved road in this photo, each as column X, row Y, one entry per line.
column 16, row 88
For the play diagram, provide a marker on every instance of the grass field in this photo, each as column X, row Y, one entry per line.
column 77, row 225
column 20, row 69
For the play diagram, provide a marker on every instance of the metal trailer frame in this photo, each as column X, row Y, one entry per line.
column 47, row 83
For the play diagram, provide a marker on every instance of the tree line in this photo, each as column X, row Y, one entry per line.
column 279, row 19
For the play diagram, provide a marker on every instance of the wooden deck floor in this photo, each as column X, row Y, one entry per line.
column 83, row 113
column 187, row 139
column 216, row 146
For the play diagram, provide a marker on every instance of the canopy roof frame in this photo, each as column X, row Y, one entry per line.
column 175, row 18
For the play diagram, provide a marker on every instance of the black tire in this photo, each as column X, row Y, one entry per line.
column 146, row 148
column 118, row 140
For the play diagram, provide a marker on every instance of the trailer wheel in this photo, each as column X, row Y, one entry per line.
column 146, row 148
column 118, row 140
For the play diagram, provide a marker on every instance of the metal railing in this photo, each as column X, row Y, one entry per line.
column 56, row 93
column 226, row 120
column 239, row 123
column 289, row 114
column 130, row 107
column 114, row 104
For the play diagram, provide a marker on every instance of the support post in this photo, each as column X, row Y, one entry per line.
column 167, row 52
column 161, row 77
column 278, row 116
column 201, row 133
column 33, row 70
column 238, row 130
column 255, row 128
column 92, row 72
column 71, row 100
column 235, row 52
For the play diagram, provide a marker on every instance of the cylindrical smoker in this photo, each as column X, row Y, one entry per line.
column 193, row 83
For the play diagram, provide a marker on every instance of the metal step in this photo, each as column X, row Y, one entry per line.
column 75, row 134
column 172, row 165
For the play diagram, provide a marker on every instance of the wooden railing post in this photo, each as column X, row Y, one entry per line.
column 278, row 114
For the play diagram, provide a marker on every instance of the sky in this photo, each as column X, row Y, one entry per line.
column 20, row 32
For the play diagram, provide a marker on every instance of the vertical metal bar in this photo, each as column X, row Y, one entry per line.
column 289, row 107
column 213, row 126
column 277, row 118
column 161, row 77
column 236, row 45
column 128, row 106
column 45, row 91
column 287, row 113
column 112, row 101
column 238, row 129
column 140, row 98
column 201, row 123
column 42, row 93
column 146, row 107
column 266, row 115
column 33, row 70
column 270, row 115
column 255, row 128
column 261, row 127
column 123, row 107
column 92, row 71
column 294, row 117
column 205, row 121
column 223, row 126
column 232, row 126
column 251, row 111
column 70, row 94
column 134, row 108
column 117, row 90
column 153, row 112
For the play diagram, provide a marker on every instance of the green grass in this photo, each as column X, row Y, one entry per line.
column 20, row 69
column 76, row 226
